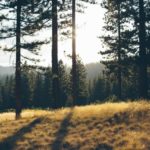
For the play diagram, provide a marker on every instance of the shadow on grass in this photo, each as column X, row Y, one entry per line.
column 62, row 132
column 10, row 142
column 103, row 147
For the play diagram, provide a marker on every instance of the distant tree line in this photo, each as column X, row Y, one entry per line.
column 36, row 86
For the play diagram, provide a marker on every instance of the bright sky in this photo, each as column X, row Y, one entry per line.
column 89, row 27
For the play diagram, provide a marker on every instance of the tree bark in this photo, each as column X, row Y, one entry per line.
column 55, row 81
column 74, row 76
column 143, row 81
column 18, row 60
column 119, row 56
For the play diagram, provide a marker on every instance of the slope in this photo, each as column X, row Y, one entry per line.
column 118, row 126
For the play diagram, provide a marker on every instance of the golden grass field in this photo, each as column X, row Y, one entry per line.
column 109, row 126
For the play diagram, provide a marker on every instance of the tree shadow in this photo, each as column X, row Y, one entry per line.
column 10, row 142
column 103, row 147
column 62, row 132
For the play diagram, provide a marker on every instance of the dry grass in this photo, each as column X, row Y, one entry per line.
column 118, row 126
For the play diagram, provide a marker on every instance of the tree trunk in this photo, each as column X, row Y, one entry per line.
column 32, row 7
column 119, row 56
column 74, row 76
column 18, row 69
column 55, row 81
column 143, row 81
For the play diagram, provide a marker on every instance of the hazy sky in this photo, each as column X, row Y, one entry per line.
column 89, row 27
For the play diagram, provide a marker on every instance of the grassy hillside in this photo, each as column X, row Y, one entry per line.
column 118, row 126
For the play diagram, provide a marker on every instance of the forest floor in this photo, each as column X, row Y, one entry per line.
column 109, row 126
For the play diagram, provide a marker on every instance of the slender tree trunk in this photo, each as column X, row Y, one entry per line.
column 74, row 72
column 18, row 69
column 55, row 81
column 119, row 56
column 143, row 81
column 32, row 7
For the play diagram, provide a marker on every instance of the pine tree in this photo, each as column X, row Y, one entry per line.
column 119, row 52
column 7, row 93
column 74, row 63
column 143, row 84
column 55, row 74
column 25, row 88
column 25, row 25
column 81, row 83
column 98, row 90
column 133, row 25
column 47, row 88
column 76, row 6
column 65, row 85
column 116, row 53
column 18, row 62
column 38, row 100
